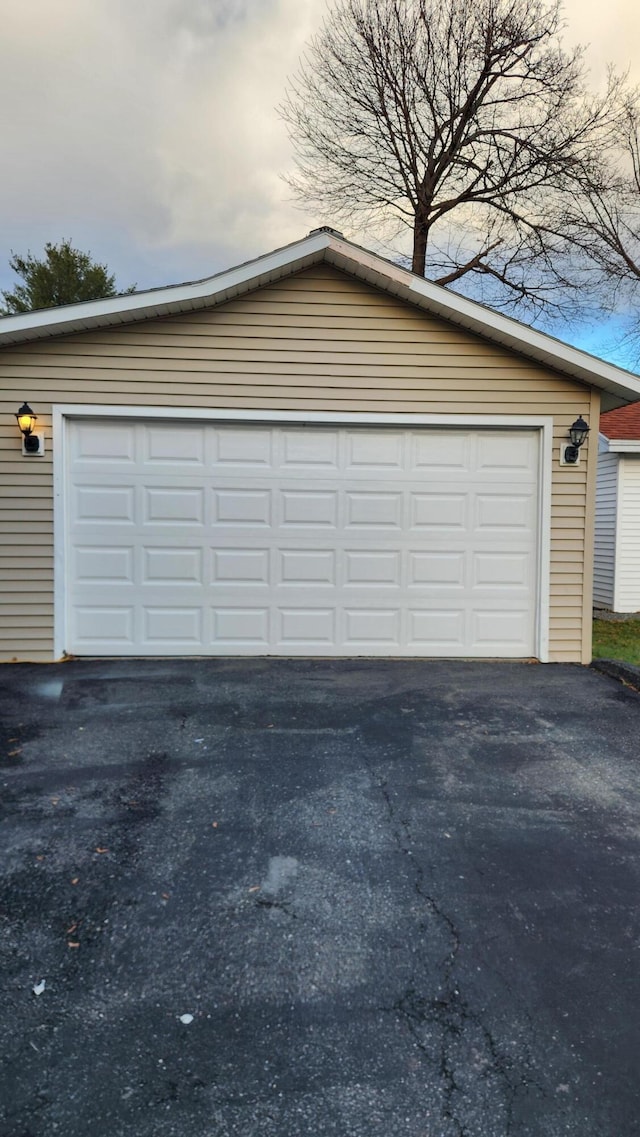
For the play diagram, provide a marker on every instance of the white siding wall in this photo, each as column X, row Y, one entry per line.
column 627, row 591
column 605, row 539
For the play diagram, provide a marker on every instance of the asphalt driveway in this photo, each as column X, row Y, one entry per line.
column 290, row 898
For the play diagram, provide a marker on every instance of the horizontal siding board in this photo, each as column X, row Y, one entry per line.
column 605, row 554
column 425, row 376
column 627, row 585
column 318, row 342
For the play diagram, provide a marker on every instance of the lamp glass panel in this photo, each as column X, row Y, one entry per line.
column 25, row 422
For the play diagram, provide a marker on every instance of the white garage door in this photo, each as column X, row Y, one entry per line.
column 190, row 539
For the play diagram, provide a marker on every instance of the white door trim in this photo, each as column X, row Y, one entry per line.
column 62, row 413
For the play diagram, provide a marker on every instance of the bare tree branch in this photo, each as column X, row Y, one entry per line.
column 462, row 116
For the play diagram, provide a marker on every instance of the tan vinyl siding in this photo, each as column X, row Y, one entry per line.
column 319, row 341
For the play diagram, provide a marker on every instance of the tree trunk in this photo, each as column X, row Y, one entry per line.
column 420, row 233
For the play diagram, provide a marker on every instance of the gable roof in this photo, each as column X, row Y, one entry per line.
column 327, row 246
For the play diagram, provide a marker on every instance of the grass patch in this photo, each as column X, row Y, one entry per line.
column 614, row 639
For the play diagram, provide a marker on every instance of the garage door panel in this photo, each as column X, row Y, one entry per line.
column 307, row 566
column 497, row 629
column 447, row 452
column 374, row 510
column 373, row 626
column 179, row 446
column 310, row 450
column 432, row 629
column 243, row 567
column 247, row 448
column 375, row 451
column 174, row 566
column 372, row 568
column 103, row 443
column 167, row 505
column 104, row 505
column 439, row 511
column 95, row 564
column 172, row 626
column 504, row 512
column 99, row 627
column 306, row 625
column 235, row 626
column 436, row 569
column 501, row 570
column 504, row 453
column 245, row 540
column 242, row 507
column 309, row 508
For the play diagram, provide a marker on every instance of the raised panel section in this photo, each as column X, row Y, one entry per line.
column 370, row 567
column 310, row 507
column 307, row 626
column 503, row 512
column 372, row 626
column 175, row 445
column 103, row 442
column 437, row 569
column 375, row 450
column 316, row 449
column 307, row 566
column 374, row 510
column 438, row 511
column 241, row 566
column 500, row 570
column 437, row 628
column 112, row 626
column 244, row 447
column 172, row 566
column 241, row 626
column 496, row 628
column 177, row 626
column 242, row 507
column 441, row 452
column 104, row 505
column 506, row 453
column 167, row 506
column 101, row 563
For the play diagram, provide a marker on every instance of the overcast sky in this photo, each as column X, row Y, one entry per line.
column 146, row 130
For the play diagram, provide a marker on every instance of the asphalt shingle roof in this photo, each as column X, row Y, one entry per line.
column 621, row 423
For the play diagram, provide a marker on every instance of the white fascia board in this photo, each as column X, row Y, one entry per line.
column 623, row 445
column 163, row 301
column 484, row 322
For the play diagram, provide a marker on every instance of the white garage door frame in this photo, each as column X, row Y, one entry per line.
column 62, row 415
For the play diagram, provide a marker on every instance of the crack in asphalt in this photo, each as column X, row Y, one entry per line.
column 449, row 1012
column 280, row 905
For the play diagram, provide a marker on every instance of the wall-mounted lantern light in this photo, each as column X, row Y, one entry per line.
column 577, row 433
column 32, row 441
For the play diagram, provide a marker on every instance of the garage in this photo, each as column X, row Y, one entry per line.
column 245, row 538
column 315, row 453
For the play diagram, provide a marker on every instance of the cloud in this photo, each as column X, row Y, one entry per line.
column 147, row 127
column 147, row 132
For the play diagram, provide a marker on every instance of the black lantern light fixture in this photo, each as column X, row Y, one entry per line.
column 577, row 433
column 32, row 442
